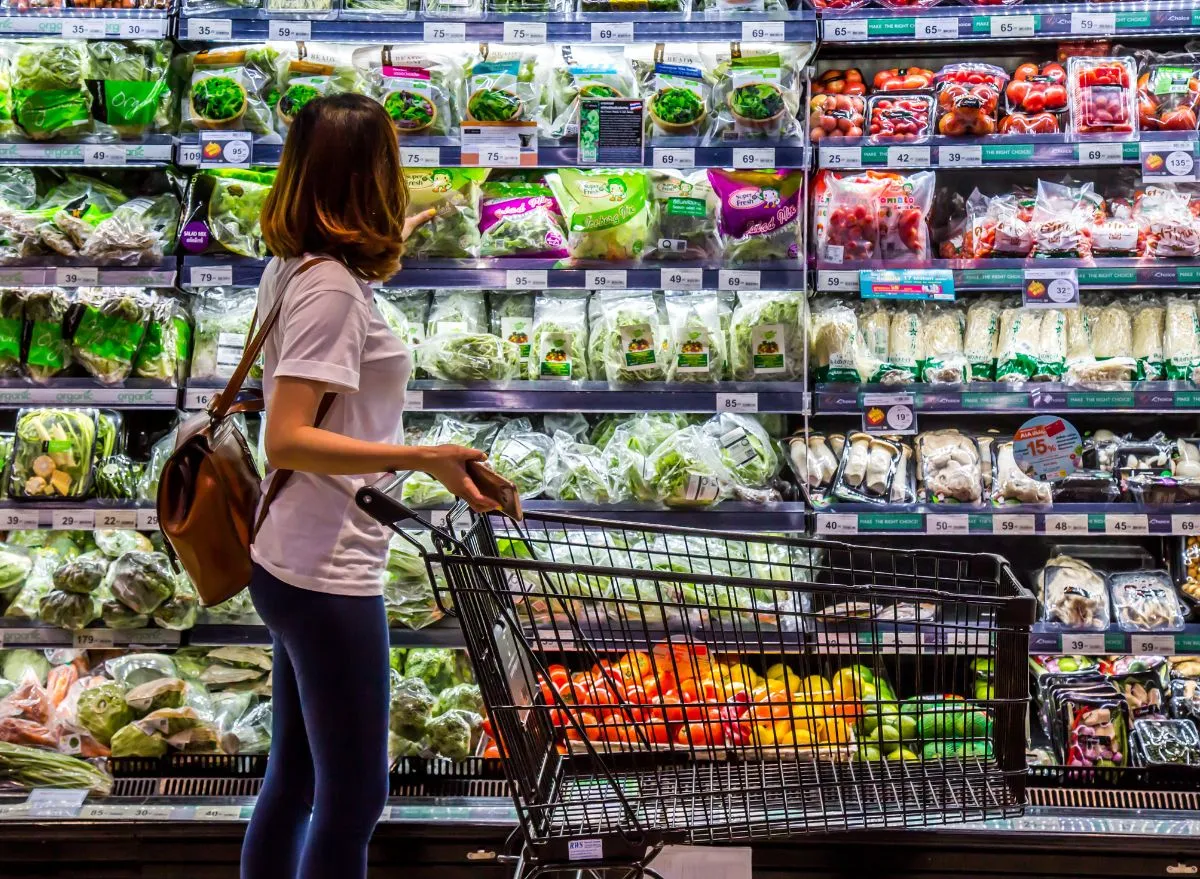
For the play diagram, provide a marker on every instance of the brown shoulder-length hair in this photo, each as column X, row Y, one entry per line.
column 340, row 188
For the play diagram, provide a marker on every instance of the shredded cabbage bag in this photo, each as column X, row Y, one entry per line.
column 766, row 336
column 607, row 211
column 637, row 349
column 454, row 194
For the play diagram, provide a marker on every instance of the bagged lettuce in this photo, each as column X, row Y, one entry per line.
column 767, row 336
column 637, row 349
column 415, row 84
column 759, row 214
column 520, row 218
column 510, row 316
column 577, row 471
column 607, row 212
column 686, row 470
column 454, row 194
column 128, row 81
column 683, row 217
column 519, row 454
column 222, row 321
column 49, row 352
column 461, row 356
column 167, row 346
column 746, row 450
column 111, row 324
column 224, row 206
column 560, row 337
column 421, row 489
column 696, row 341
column 457, row 311
column 322, row 69
column 228, row 88
column 677, row 88
column 756, row 92
column 50, row 98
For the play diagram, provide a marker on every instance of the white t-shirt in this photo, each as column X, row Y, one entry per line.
column 330, row 330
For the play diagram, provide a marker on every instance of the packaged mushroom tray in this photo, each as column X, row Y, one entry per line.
column 980, row 470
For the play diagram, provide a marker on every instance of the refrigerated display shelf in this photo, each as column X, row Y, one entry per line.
column 1061, row 520
column 155, row 150
column 678, row 153
column 132, row 394
column 1114, row 641
column 64, row 274
column 73, row 515
column 89, row 24
column 533, row 274
column 1008, row 275
column 1126, row 18
column 795, row 26
column 993, row 397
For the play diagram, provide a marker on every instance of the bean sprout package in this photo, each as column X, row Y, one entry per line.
column 454, row 194
column 519, row 218
column 759, row 217
column 755, row 93
column 506, row 84
column 588, row 72
column 876, row 215
column 415, row 85
column 228, row 89
column 677, row 88
column 607, row 212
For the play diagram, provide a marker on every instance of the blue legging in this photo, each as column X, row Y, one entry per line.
column 326, row 781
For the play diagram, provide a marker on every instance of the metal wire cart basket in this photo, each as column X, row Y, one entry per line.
column 652, row 684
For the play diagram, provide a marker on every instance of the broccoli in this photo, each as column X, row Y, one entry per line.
column 465, row 696
column 412, row 704
column 450, row 734
column 434, row 665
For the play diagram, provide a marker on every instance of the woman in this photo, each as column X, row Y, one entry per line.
column 335, row 220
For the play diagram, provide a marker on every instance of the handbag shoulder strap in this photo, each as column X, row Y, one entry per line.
column 281, row 477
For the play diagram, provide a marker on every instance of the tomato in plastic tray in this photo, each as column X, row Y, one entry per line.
column 838, row 5
column 1167, row 223
column 1035, row 89
column 1102, row 95
column 835, row 116
column 876, row 215
column 968, row 98
column 901, row 117
column 902, row 79
column 1168, row 97
column 1030, row 123
column 840, row 82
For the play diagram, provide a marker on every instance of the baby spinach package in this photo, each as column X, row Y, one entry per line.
column 607, row 211
column 50, row 98
column 301, row 75
column 756, row 92
column 677, row 89
column 637, row 349
column 766, row 336
column 128, row 81
column 506, row 84
column 520, row 218
column 415, row 85
column 454, row 194
column 683, row 217
column 697, row 342
column 560, row 336
column 588, row 72
column 759, row 215
column 228, row 89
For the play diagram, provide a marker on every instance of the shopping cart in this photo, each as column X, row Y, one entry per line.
column 649, row 684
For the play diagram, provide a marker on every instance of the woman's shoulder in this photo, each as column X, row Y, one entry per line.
column 313, row 273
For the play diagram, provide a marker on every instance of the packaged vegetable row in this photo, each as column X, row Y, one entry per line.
column 403, row 9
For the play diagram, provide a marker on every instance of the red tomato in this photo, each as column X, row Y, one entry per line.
column 700, row 735
column 558, row 675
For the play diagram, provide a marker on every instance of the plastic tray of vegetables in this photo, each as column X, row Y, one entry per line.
column 53, row 453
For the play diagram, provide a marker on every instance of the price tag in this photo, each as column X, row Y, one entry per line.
column 737, row 403
column 1051, row 288
column 1100, row 153
column 210, row 276
column 753, row 158
column 143, row 29
column 1060, row 523
column 1168, row 160
column 499, row 155
column 840, row 157
column 960, row 156
column 731, row 279
column 1142, row 645
column 1093, row 23
column 420, row 157
column 197, row 398
column 762, row 31
column 908, row 157
column 103, row 154
column 1009, row 26
column 445, row 31
column 69, row 520
column 1185, row 525
column 889, row 413
column 936, row 29
column 210, row 29
column 147, row 520
column 614, row 279
column 414, row 401
column 1020, row 524
column 102, row 813
column 906, row 641
column 828, row 281
column 853, row 31
column 1126, row 523
column 526, row 279
column 939, row 523
column 149, row 813
column 83, row 28
column 613, row 32
column 837, row 523
column 1088, row 644
column 217, row 813
column 81, row 277
column 226, row 149
column 94, row 639
column 188, row 154
column 685, row 158
column 109, row 519
column 300, row 30
column 19, row 520
column 47, row 802
column 681, row 279
column 525, row 32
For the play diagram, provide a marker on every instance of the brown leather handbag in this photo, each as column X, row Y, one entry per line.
column 210, row 488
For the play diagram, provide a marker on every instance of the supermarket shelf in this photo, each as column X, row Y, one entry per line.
column 784, row 516
column 162, row 275
column 991, row 397
column 1008, row 274
column 77, row 515
column 155, row 150
column 1114, row 641
column 445, row 633
column 91, row 24
column 1127, row 18
column 674, row 152
column 792, row 26
column 132, row 394
column 993, row 151
column 1061, row 520
column 532, row 274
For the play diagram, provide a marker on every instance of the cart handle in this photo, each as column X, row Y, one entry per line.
column 381, row 501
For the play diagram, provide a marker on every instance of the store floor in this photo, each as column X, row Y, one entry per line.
column 1046, row 844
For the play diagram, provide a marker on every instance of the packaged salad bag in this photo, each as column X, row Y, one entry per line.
column 520, row 218
column 607, row 212
column 677, row 88
column 167, row 346
column 557, row 350
column 683, row 217
column 588, row 72
column 224, row 206
column 454, row 194
column 110, row 325
column 128, row 81
column 506, row 84
column 415, row 84
column 756, row 93
column 222, row 319
column 637, row 347
column 53, row 453
column 48, row 352
column 228, row 89
column 767, row 336
column 759, row 214
column 50, row 97
column 510, row 316
column 697, row 342
column 307, row 71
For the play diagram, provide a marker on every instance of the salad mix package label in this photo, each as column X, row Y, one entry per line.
column 607, row 212
column 759, row 213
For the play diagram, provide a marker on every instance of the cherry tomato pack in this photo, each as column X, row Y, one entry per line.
column 874, row 215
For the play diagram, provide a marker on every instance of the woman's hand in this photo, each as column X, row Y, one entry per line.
column 411, row 224
column 447, row 464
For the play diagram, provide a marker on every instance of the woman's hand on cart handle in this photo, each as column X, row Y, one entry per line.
column 447, row 464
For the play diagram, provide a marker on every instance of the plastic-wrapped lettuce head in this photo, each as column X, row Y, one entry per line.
column 116, row 615
column 436, row 666
column 421, row 489
column 132, row 741
column 399, row 746
column 766, row 336
column 469, row 357
column 138, row 668
column 466, row 696
column 686, row 470
column 114, row 543
column 519, row 454
column 627, row 448
column 68, row 610
column 637, row 349
column 558, row 348
column 82, row 574
column 156, row 694
column 15, row 565
column 141, row 580
column 102, row 711
column 746, row 450
column 22, row 661
column 412, row 704
column 450, row 734
column 179, row 611
column 577, row 472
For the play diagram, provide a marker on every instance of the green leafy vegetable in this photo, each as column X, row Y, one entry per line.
column 53, row 453
column 469, row 357
column 102, row 711
column 111, row 326
column 607, row 212
column 519, row 454
column 36, row 767
column 767, row 337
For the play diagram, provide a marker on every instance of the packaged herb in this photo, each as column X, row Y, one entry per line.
column 755, row 91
